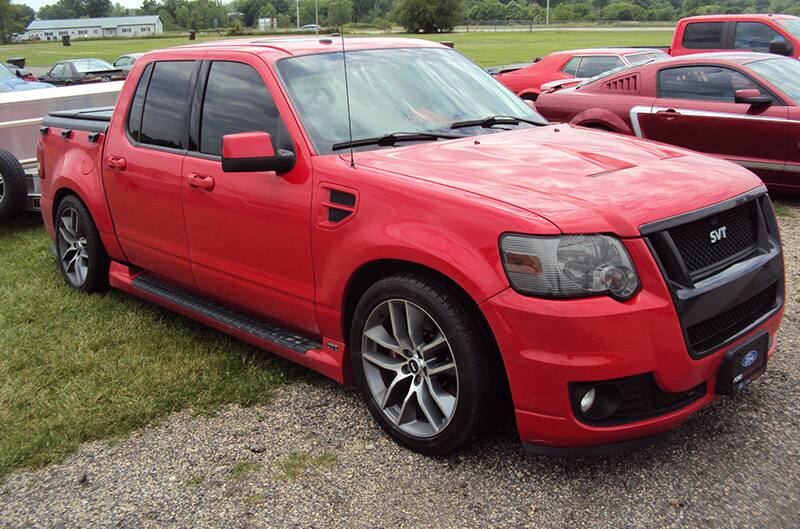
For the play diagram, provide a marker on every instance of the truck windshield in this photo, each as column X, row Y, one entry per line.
column 792, row 25
column 782, row 72
column 413, row 90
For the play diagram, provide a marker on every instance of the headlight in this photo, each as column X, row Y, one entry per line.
column 568, row 266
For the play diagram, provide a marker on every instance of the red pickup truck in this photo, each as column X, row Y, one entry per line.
column 445, row 248
column 762, row 33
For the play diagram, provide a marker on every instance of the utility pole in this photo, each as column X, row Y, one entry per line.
column 547, row 14
column 316, row 16
column 298, row 14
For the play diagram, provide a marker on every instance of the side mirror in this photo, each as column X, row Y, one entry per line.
column 780, row 47
column 254, row 151
column 751, row 96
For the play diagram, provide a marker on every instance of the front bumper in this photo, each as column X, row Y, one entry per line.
column 546, row 344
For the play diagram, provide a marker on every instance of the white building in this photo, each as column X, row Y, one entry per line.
column 78, row 28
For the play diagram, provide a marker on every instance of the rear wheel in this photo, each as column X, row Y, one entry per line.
column 421, row 365
column 13, row 190
column 81, row 256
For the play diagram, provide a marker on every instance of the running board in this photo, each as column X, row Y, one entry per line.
column 224, row 315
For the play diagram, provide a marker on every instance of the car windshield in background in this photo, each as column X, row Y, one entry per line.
column 641, row 58
column 6, row 73
column 419, row 90
column 791, row 25
column 782, row 72
column 91, row 65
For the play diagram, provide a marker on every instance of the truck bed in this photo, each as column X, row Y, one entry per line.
column 86, row 119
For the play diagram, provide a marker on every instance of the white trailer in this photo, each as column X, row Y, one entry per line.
column 21, row 116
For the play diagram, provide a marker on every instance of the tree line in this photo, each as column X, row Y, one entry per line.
column 414, row 15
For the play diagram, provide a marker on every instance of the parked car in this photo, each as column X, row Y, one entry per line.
column 81, row 71
column 526, row 80
column 10, row 82
column 446, row 249
column 311, row 28
column 22, row 73
column 760, row 33
column 126, row 62
column 740, row 106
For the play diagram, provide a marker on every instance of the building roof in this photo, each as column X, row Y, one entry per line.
column 105, row 22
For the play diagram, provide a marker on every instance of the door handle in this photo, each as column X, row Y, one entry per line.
column 199, row 181
column 116, row 162
column 668, row 114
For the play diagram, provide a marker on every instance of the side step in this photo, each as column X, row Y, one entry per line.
column 226, row 316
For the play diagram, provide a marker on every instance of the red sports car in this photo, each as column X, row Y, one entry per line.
column 739, row 106
column 526, row 80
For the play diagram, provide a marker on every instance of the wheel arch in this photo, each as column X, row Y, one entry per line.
column 600, row 117
column 371, row 272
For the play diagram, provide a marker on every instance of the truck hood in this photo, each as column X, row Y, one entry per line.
column 581, row 180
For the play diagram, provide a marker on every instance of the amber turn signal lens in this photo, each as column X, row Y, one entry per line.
column 523, row 264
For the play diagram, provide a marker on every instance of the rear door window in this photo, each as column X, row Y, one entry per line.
column 137, row 105
column 236, row 100
column 754, row 36
column 703, row 35
column 164, row 116
column 591, row 66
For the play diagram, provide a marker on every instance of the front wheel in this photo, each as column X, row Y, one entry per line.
column 421, row 365
column 81, row 256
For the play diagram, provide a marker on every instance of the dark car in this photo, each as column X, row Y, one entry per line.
column 80, row 71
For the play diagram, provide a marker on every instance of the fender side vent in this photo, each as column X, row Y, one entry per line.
column 347, row 201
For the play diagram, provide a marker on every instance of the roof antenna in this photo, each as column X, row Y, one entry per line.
column 347, row 96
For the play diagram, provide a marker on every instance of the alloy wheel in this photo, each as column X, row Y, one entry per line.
column 73, row 250
column 410, row 368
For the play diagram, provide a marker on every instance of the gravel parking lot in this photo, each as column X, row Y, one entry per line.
column 314, row 458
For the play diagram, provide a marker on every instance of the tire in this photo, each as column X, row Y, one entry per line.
column 81, row 256
column 432, row 401
column 13, row 189
column 530, row 97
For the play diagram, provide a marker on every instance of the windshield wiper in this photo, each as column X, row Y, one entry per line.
column 387, row 140
column 491, row 121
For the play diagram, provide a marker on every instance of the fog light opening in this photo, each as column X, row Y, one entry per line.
column 600, row 401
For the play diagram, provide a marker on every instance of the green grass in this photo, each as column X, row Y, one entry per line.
column 486, row 48
column 76, row 367
column 242, row 469
column 298, row 464
column 195, row 480
column 783, row 209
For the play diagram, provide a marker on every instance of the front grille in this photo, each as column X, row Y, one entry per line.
column 693, row 240
column 716, row 330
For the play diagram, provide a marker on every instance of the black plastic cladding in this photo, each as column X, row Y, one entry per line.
column 720, row 302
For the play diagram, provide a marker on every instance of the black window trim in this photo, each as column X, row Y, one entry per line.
column 779, row 102
column 189, row 94
column 726, row 40
column 578, row 67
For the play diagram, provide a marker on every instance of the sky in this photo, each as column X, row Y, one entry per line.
column 36, row 4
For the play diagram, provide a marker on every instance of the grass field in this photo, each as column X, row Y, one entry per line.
column 74, row 367
column 485, row 48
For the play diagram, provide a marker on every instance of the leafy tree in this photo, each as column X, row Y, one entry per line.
column 429, row 16
column 486, row 10
column 622, row 11
column 340, row 12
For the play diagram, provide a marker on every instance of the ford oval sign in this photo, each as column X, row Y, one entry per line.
column 749, row 358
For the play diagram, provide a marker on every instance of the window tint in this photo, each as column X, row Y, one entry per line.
column 123, row 61
column 754, row 36
column 59, row 70
column 164, row 114
column 703, row 35
column 710, row 83
column 571, row 68
column 591, row 66
column 135, row 114
column 236, row 100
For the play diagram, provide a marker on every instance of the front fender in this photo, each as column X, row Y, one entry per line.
column 602, row 117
